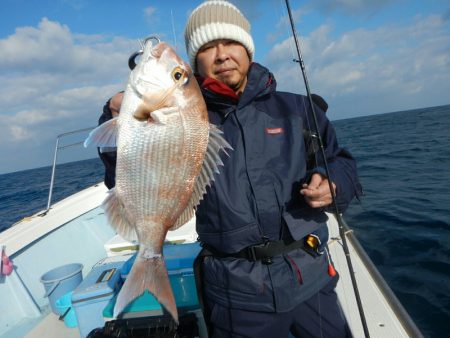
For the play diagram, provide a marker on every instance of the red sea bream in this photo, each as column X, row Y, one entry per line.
column 167, row 153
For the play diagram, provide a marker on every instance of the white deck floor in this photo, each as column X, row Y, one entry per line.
column 51, row 327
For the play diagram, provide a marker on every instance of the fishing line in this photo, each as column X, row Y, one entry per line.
column 285, row 25
column 325, row 164
column 320, row 311
column 340, row 266
column 291, row 44
column 173, row 30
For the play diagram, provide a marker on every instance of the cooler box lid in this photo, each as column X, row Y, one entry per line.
column 145, row 305
column 179, row 260
column 181, row 256
column 102, row 280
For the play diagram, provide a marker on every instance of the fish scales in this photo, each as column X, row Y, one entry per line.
column 161, row 162
column 167, row 152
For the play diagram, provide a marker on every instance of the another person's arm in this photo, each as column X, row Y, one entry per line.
column 111, row 109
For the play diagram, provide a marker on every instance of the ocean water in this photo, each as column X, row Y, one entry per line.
column 403, row 219
column 26, row 192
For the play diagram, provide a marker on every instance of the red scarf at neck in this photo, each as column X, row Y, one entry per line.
column 217, row 87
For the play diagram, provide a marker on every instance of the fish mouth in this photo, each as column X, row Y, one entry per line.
column 156, row 106
column 158, row 50
column 163, row 50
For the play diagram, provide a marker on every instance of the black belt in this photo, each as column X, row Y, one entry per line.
column 263, row 252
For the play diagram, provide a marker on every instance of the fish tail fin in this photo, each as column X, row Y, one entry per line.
column 147, row 274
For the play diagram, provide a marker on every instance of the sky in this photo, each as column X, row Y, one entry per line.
column 60, row 60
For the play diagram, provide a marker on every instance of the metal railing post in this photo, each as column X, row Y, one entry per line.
column 55, row 156
column 52, row 180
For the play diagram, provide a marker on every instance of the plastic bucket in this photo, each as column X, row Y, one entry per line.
column 65, row 310
column 61, row 280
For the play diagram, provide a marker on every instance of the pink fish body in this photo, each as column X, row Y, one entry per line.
column 167, row 153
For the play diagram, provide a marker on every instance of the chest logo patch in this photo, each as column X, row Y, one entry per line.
column 272, row 131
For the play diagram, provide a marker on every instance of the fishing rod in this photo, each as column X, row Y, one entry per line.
column 333, row 196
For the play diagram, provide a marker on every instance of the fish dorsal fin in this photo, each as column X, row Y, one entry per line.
column 185, row 216
column 210, row 166
column 104, row 136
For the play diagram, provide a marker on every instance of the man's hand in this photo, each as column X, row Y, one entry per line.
column 115, row 103
column 317, row 192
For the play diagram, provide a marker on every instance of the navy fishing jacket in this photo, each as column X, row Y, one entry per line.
column 256, row 197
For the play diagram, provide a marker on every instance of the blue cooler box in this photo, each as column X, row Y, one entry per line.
column 93, row 294
column 179, row 259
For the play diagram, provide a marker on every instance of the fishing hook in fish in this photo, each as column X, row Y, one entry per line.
column 333, row 196
column 132, row 58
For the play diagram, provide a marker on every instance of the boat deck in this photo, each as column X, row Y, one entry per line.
column 51, row 327
column 382, row 321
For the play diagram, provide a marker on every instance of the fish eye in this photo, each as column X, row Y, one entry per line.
column 179, row 74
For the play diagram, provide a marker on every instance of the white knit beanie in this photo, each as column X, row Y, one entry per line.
column 213, row 20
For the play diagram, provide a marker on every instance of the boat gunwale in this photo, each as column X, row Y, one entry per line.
column 403, row 316
column 33, row 228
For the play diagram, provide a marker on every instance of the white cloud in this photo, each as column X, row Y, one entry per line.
column 149, row 13
column 76, row 4
column 55, row 81
column 18, row 133
column 52, row 49
column 398, row 66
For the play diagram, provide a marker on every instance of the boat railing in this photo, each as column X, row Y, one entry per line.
column 55, row 157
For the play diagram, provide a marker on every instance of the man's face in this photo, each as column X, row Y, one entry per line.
column 226, row 61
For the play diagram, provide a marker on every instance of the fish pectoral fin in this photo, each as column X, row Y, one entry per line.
column 118, row 217
column 147, row 274
column 104, row 136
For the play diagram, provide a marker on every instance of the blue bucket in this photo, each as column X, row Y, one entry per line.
column 66, row 311
column 61, row 280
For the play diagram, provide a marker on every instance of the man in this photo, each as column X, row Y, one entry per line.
column 262, row 222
